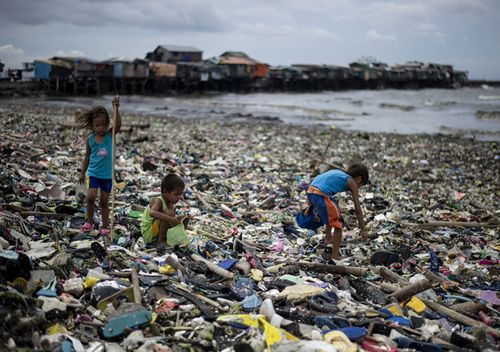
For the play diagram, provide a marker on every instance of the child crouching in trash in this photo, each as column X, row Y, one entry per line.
column 159, row 216
column 322, row 209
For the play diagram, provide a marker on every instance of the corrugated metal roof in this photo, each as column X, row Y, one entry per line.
column 231, row 60
column 236, row 54
column 188, row 49
column 56, row 62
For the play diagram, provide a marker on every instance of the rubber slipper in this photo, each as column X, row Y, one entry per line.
column 98, row 250
column 354, row 333
column 251, row 303
column 228, row 264
column 325, row 303
column 104, row 232
column 242, row 288
column 340, row 341
column 331, row 322
column 87, row 227
column 406, row 342
column 369, row 292
column 384, row 258
column 378, row 344
column 400, row 321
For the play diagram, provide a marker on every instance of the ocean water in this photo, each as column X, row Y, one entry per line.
column 397, row 111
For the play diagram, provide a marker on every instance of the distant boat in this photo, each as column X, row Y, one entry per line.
column 489, row 97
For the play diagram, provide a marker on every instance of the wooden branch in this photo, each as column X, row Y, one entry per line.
column 202, row 298
column 25, row 214
column 213, row 267
column 469, row 307
column 390, row 275
column 432, row 224
column 176, row 265
column 135, row 285
column 459, row 317
column 333, row 269
column 411, row 290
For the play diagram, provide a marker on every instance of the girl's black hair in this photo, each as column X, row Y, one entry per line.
column 356, row 170
column 172, row 182
column 85, row 118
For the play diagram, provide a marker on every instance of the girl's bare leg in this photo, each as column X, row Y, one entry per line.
column 91, row 196
column 104, row 203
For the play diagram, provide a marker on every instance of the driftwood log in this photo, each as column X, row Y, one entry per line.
column 213, row 267
column 411, row 290
column 333, row 269
column 459, row 317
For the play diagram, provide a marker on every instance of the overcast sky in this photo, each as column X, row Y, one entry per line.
column 464, row 33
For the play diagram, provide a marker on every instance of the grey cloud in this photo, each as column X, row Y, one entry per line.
column 169, row 15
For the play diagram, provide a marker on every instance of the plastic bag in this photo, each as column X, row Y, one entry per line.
column 177, row 235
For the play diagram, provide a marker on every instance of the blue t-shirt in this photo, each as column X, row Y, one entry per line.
column 331, row 182
column 100, row 157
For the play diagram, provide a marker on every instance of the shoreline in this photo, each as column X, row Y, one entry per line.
column 226, row 111
column 28, row 89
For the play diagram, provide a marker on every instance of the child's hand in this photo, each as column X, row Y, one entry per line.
column 116, row 102
column 364, row 235
column 82, row 179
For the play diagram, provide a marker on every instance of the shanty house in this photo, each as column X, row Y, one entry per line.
column 162, row 69
column 312, row 71
column 336, row 72
column 243, row 66
column 175, row 53
column 364, row 71
column 47, row 69
column 123, row 68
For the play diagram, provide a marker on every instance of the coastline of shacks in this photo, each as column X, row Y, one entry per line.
column 246, row 278
column 182, row 69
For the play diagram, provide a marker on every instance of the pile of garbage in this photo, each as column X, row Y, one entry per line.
column 242, row 276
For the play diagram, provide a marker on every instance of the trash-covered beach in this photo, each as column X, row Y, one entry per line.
column 247, row 278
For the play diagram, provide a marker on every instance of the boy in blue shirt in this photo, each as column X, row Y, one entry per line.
column 320, row 195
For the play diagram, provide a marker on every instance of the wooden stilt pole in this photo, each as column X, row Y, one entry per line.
column 112, row 213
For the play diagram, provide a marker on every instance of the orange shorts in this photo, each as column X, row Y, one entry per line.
column 327, row 209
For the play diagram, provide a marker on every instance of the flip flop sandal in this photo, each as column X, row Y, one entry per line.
column 406, row 342
column 331, row 322
column 87, row 227
column 378, row 344
column 369, row 292
column 340, row 341
column 354, row 333
column 384, row 258
column 98, row 250
column 320, row 304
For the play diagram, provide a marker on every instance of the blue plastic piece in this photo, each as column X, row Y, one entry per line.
column 400, row 321
column 406, row 342
column 228, row 264
column 331, row 322
column 67, row 346
column 117, row 326
column 354, row 333
column 242, row 288
column 251, row 303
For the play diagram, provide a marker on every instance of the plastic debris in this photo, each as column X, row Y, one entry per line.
column 239, row 274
